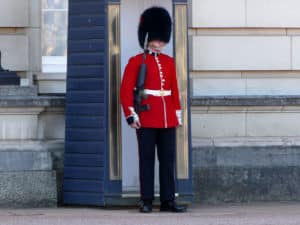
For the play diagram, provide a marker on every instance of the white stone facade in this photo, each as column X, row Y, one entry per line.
column 237, row 47
column 244, row 48
column 31, row 126
column 20, row 45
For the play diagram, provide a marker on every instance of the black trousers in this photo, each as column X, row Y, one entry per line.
column 165, row 141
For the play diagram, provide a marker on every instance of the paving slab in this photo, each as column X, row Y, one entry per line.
column 278, row 213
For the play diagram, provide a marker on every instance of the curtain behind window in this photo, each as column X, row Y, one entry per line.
column 54, row 35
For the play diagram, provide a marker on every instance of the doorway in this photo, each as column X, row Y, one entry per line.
column 130, row 13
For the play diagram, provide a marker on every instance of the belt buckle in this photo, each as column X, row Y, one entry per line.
column 161, row 92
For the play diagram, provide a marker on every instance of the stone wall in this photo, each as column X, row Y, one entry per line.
column 31, row 149
column 244, row 67
column 20, row 38
column 240, row 47
column 247, row 148
column 31, row 126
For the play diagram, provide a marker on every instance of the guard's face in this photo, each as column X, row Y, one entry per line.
column 156, row 45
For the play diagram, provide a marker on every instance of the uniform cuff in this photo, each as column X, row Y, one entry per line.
column 179, row 116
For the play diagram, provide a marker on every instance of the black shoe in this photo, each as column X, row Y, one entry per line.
column 171, row 206
column 146, row 207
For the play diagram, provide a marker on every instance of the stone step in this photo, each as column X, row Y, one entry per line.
column 15, row 90
column 243, row 184
column 246, row 171
column 25, row 161
column 244, row 100
column 255, row 155
column 28, row 189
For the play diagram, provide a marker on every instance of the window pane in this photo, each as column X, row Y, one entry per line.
column 55, row 4
column 54, row 35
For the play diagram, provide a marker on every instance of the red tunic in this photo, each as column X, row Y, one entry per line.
column 162, row 113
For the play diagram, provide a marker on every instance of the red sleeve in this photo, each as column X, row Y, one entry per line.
column 174, row 87
column 128, row 84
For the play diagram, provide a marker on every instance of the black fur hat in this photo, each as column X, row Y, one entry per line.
column 157, row 22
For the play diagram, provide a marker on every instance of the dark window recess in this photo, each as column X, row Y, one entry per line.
column 8, row 77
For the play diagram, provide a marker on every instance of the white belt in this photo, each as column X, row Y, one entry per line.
column 157, row 92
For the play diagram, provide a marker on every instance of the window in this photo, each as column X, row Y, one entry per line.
column 54, row 36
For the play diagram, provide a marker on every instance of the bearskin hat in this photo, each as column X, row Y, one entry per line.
column 157, row 22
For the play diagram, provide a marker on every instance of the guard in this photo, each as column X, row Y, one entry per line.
column 150, row 101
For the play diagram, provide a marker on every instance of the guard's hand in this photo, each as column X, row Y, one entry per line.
column 136, row 125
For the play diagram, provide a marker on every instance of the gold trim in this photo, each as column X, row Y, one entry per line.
column 180, row 41
column 114, row 64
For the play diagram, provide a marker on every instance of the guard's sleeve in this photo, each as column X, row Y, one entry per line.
column 175, row 93
column 126, row 90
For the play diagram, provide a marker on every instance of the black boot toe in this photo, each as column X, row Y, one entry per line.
column 146, row 207
column 172, row 207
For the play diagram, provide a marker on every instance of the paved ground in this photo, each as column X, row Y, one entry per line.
column 244, row 214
